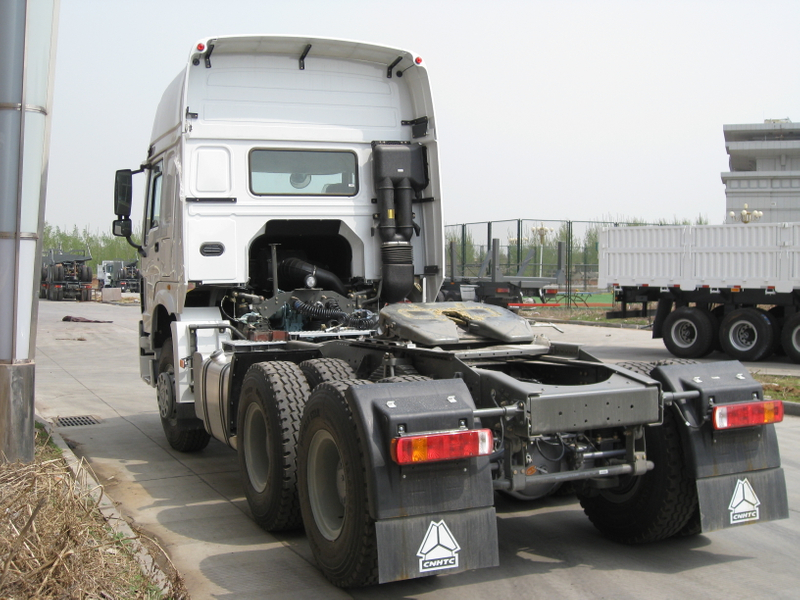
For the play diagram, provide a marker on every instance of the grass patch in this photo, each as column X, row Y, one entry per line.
column 55, row 541
column 581, row 313
column 778, row 387
column 45, row 447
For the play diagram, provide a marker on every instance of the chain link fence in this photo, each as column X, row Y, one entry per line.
column 566, row 251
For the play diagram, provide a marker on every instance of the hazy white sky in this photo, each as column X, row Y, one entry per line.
column 570, row 109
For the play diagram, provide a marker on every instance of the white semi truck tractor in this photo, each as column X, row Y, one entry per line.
column 291, row 256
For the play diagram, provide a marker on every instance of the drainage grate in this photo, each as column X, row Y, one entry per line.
column 76, row 421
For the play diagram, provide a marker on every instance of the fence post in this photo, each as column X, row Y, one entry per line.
column 569, row 258
column 463, row 250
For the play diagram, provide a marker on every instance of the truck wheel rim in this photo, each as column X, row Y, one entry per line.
column 743, row 336
column 255, row 447
column 326, row 486
column 164, row 386
column 796, row 338
column 684, row 333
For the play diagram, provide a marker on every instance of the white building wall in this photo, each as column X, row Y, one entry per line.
column 764, row 170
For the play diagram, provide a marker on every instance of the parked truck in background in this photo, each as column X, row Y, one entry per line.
column 292, row 253
column 492, row 286
column 733, row 287
column 66, row 275
column 120, row 274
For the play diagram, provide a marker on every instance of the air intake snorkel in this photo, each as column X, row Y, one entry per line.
column 399, row 171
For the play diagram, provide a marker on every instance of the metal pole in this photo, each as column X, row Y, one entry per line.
column 463, row 250
column 27, row 45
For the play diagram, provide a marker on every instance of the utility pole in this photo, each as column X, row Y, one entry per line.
column 27, row 47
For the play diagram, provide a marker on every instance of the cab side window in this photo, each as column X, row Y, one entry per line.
column 153, row 213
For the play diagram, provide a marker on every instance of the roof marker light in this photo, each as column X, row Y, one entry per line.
column 418, row 60
column 201, row 46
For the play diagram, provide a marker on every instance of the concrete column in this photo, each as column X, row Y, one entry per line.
column 27, row 45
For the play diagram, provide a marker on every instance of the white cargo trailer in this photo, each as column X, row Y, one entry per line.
column 727, row 287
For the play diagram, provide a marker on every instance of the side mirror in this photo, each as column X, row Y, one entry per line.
column 123, row 193
column 123, row 227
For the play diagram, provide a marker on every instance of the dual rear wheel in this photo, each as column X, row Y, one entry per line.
column 748, row 334
column 302, row 462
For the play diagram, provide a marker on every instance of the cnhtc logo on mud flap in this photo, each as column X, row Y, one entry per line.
column 744, row 503
column 439, row 549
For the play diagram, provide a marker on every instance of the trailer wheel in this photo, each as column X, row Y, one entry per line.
column 689, row 332
column 271, row 403
column 746, row 334
column 333, row 489
column 790, row 337
column 324, row 370
column 184, row 435
column 775, row 316
column 653, row 506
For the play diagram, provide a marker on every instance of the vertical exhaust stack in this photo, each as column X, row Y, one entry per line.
column 399, row 171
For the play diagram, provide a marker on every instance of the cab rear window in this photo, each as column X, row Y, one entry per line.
column 303, row 173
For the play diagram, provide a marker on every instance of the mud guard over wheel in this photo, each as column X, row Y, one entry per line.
column 270, row 407
column 370, row 520
column 183, row 435
column 651, row 507
column 333, row 489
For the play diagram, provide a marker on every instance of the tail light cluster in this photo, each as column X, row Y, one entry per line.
column 434, row 447
column 747, row 414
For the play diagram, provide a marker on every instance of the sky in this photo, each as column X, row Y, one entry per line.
column 565, row 110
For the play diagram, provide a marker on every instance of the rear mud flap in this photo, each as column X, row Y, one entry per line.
column 436, row 544
column 742, row 498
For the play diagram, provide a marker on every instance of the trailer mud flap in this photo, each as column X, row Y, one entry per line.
column 444, row 543
column 742, row 498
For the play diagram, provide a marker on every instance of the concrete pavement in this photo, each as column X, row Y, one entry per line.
column 193, row 503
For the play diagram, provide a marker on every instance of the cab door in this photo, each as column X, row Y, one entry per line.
column 157, row 264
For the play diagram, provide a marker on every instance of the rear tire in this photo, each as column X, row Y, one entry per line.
column 333, row 489
column 325, row 370
column 651, row 507
column 183, row 435
column 403, row 379
column 746, row 334
column 689, row 332
column 272, row 399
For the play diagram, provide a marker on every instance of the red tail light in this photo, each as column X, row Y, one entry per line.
column 747, row 414
column 435, row 447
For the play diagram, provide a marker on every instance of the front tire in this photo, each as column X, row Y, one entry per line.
column 653, row 506
column 272, row 399
column 183, row 435
column 333, row 489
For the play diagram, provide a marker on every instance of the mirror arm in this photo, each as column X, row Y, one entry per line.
column 139, row 249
